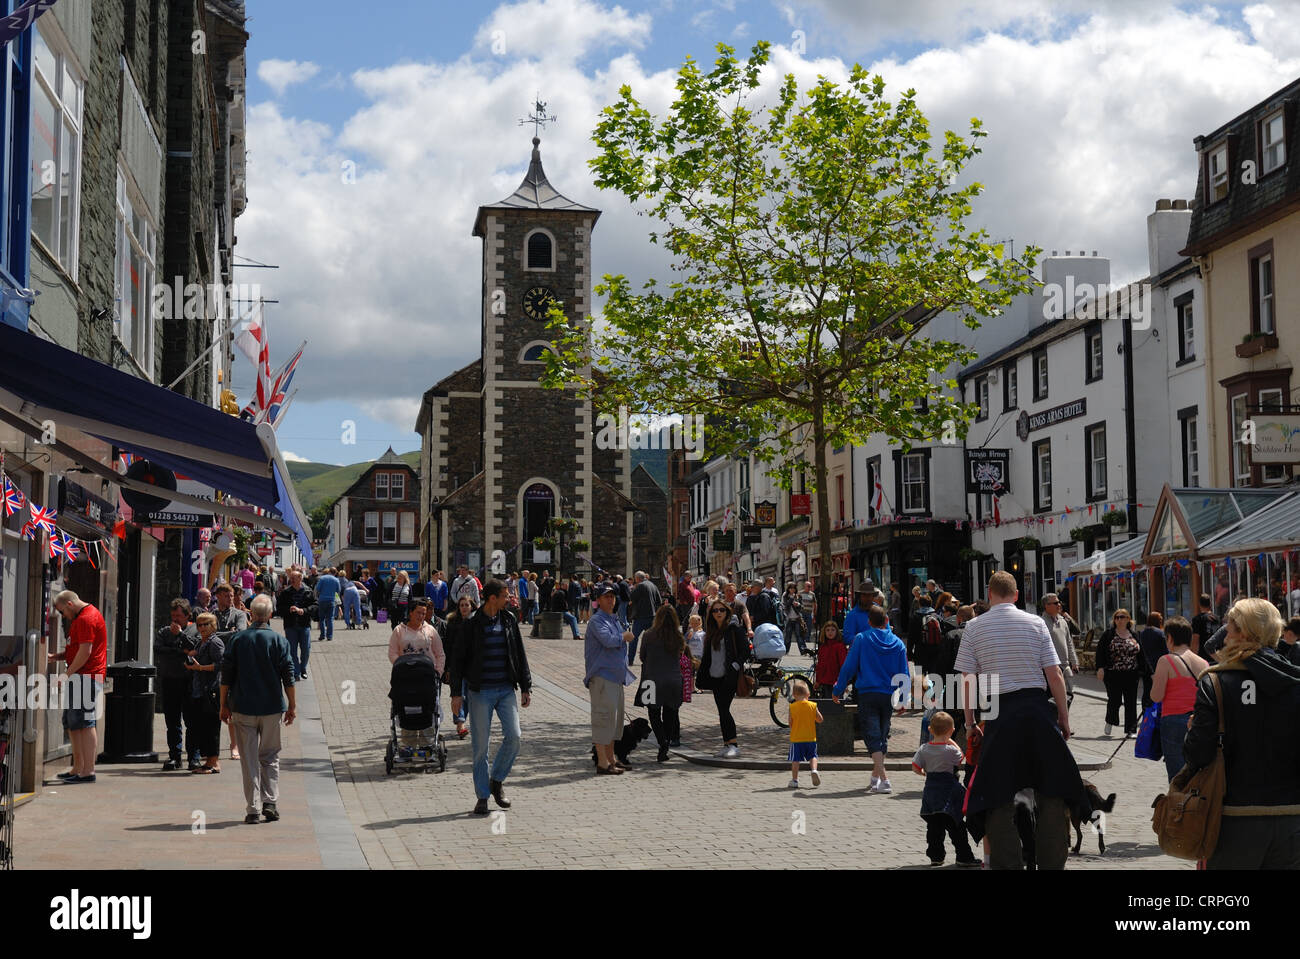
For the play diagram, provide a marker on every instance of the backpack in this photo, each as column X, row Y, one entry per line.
column 1186, row 819
column 932, row 629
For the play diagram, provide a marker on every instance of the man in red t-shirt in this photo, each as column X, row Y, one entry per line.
column 87, row 658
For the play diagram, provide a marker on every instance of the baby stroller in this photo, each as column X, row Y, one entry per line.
column 413, row 687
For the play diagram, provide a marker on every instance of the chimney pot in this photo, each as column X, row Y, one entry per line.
column 1180, row 204
column 1164, row 204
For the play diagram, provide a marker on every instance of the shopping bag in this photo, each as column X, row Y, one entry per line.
column 1148, row 734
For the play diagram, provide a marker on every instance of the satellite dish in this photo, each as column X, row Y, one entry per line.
column 142, row 471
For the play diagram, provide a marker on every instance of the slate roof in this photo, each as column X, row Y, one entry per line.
column 534, row 193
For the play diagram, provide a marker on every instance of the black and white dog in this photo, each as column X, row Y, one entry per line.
column 633, row 734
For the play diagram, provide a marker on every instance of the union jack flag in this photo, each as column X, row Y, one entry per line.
column 70, row 548
column 44, row 518
column 14, row 499
column 57, row 546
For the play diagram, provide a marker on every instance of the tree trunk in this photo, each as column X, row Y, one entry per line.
column 823, row 509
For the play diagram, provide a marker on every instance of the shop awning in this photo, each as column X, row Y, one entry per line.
column 1118, row 558
column 1273, row 528
column 42, row 381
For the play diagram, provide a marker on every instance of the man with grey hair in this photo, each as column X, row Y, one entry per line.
column 1059, row 628
column 256, row 675
column 202, row 601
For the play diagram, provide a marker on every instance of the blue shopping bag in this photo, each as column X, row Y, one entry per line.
column 1148, row 735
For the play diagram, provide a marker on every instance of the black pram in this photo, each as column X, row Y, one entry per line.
column 414, row 687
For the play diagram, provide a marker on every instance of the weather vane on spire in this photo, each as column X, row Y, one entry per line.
column 539, row 117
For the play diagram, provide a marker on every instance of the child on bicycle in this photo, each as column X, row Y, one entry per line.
column 804, row 717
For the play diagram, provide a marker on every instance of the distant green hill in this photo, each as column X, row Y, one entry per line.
column 318, row 483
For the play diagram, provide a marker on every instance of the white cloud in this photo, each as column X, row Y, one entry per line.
column 293, row 457
column 279, row 75
column 558, row 31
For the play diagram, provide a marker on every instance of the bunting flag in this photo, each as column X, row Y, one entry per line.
column 57, row 548
column 70, row 548
column 12, row 26
column 14, row 499
column 44, row 518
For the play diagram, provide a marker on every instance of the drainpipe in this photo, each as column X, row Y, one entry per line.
column 1130, row 427
column 1204, row 265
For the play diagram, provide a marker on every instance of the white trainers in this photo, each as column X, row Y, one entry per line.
column 817, row 780
column 731, row 752
column 722, row 753
column 794, row 784
column 875, row 781
column 881, row 786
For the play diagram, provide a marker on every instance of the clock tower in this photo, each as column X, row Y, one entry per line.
column 538, row 444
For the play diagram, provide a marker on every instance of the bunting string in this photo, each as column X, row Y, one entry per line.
column 59, row 545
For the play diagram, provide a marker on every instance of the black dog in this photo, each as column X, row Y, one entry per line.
column 1027, row 821
column 1098, row 806
column 633, row 733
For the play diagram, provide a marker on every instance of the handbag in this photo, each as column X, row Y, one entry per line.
column 1187, row 818
column 1147, row 745
column 745, row 684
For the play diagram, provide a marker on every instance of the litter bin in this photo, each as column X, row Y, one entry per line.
column 838, row 730
column 550, row 626
column 128, row 715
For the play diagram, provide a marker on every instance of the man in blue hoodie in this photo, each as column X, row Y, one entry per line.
column 877, row 666
column 856, row 620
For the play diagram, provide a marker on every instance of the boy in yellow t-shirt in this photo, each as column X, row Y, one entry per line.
column 804, row 717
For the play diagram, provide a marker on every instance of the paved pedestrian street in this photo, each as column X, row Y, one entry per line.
column 676, row 815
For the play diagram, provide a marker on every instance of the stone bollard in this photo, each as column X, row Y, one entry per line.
column 838, row 729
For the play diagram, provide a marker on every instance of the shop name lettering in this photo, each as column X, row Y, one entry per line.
column 1058, row 414
column 77, row 912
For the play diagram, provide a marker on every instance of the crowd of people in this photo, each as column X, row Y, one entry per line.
column 219, row 662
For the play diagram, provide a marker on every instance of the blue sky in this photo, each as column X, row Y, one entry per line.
column 1091, row 109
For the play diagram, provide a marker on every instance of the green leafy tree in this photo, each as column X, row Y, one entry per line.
column 813, row 238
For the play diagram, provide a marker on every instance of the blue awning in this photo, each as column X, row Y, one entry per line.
column 40, row 381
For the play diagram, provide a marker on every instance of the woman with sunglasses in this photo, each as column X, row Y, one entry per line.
column 726, row 647
column 1118, row 667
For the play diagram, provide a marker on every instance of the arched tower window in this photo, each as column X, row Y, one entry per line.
column 534, row 353
column 539, row 251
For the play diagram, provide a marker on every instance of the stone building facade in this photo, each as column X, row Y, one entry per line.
column 499, row 453
column 375, row 523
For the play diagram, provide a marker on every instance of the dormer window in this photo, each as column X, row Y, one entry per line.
column 539, row 249
column 1216, row 172
column 1272, row 143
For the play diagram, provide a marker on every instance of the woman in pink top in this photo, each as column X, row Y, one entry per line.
column 1174, row 687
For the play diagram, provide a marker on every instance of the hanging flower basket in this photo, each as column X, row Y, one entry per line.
column 1115, row 517
column 1030, row 542
column 562, row 525
column 544, row 542
column 580, row 546
column 1080, row 533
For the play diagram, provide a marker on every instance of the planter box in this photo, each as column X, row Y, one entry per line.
column 1258, row 345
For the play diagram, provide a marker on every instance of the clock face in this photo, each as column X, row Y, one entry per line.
column 537, row 301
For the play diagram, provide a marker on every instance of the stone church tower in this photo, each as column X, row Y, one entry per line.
column 500, row 453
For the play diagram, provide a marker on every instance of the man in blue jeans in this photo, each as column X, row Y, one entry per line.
column 877, row 667
column 295, row 605
column 328, row 589
column 492, row 664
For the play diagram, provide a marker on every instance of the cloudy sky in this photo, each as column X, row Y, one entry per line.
column 375, row 131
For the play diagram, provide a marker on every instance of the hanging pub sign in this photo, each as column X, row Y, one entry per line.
column 765, row 514
column 988, row 471
column 724, row 542
column 751, row 535
column 800, row 504
column 1277, row 437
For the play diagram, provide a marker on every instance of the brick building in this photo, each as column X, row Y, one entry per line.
column 500, row 454
column 375, row 522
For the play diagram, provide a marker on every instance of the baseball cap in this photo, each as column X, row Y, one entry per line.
column 600, row 589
